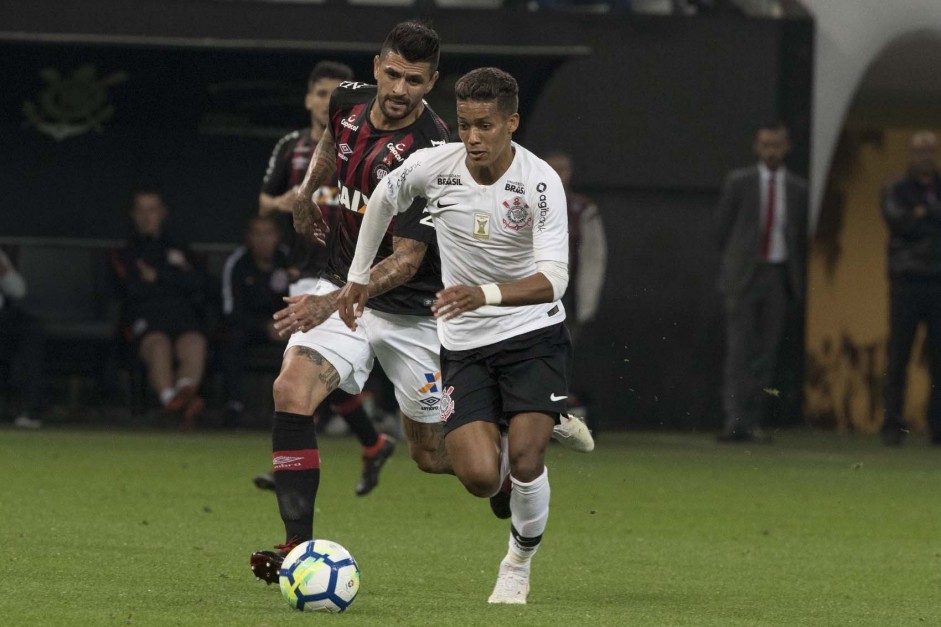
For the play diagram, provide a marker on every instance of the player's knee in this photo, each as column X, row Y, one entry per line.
column 291, row 395
column 527, row 466
column 426, row 460
column 480, row 483
column 155, row 344
column 192, row 341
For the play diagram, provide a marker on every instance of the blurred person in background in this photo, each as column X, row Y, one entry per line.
column 164, row 296
column 762, row 238
column 21, row 348
column 911, row 207
column 588, row 253
column 254, row 280
column 287, row 167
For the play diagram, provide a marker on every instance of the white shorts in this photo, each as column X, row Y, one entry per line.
column 406, row 347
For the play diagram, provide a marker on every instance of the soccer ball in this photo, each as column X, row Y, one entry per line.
column 319, row 576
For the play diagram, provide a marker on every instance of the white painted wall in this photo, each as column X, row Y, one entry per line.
column 850, row 35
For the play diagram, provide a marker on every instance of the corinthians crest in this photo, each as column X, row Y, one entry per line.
column 73, row 105
column 517, row 215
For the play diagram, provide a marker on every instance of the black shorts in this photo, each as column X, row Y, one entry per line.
column 526, row 373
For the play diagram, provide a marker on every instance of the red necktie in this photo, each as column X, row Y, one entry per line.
column 769, row 216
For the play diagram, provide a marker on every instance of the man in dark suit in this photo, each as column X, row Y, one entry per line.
column 762, row 237
column 911, row 207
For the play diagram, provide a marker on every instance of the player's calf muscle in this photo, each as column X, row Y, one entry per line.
column 426, row 447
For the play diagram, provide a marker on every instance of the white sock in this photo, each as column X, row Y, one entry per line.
column 166, row 395
column 529, row 504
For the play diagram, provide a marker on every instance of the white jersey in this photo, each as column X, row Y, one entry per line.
column 486, row 234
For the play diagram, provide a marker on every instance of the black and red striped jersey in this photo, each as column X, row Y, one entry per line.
column 286, row 169
column 364, row 156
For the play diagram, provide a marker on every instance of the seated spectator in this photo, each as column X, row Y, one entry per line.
column 21, row 348
column 254, row 281
column 163, row 308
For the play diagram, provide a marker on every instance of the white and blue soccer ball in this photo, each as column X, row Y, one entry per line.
column 319, row 576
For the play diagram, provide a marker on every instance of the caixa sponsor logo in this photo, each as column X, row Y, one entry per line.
column 353, row 199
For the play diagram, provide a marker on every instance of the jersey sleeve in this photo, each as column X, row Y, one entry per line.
column 415, row 223
column 277, row 174
column 333, row 108
column 551, row 226
column 346, row 95
column 396, row 193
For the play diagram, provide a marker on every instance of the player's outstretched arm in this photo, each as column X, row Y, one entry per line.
column 397, row 268
column 268, row 204
column 393, row 195
column 391, row 272
column 308, row 220
column 457, row 299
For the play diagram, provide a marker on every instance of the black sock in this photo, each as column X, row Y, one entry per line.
column 296, row 463
column 351, row 408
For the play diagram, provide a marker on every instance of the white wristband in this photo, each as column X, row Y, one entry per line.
column 492, row 294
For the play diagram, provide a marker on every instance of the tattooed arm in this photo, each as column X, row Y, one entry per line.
column 397, row 268
column 306, row 312
column 308, row 219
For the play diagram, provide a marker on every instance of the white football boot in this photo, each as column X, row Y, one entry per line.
column 573, row 433
column 512, row 584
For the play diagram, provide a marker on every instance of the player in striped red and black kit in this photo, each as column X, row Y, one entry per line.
column 286, row 170
column 372, row 130
column 365, row 155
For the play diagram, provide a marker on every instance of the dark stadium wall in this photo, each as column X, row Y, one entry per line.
column 654, row 121
column 654, row 111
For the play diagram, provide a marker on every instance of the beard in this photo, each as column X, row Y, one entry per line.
column 408, row 108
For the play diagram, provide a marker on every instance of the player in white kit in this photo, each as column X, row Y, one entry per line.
column 501, row 223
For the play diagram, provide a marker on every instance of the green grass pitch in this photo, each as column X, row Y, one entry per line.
column 144, row 528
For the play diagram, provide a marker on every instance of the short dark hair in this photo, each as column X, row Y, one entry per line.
column 487, row 84
column 415, row 42
column 329, row 69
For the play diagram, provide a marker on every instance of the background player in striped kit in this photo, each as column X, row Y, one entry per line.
column 372, row 128
column 286, row 169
